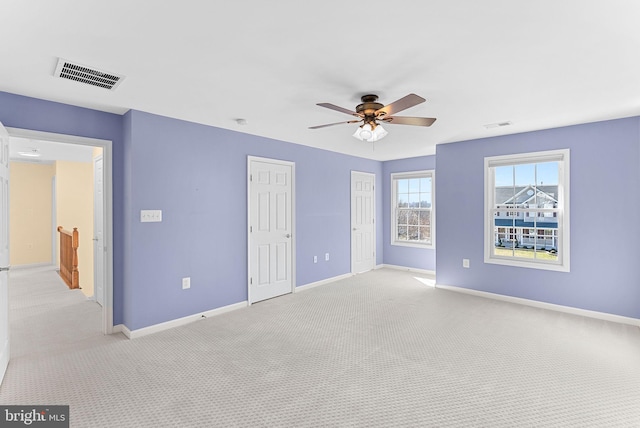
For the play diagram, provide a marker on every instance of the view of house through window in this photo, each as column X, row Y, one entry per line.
column 525, row 212
column 413, row 208
column 526, row 206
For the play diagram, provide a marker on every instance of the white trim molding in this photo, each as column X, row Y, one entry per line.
column 561, row 211
column 34, row 266
column 543, row 305
column 407, row 269
column 107, row 153
column 134, row 334
column 394, row 177
column 120, row 328
column 323, row 282
column 362, row 267
column 250, row 160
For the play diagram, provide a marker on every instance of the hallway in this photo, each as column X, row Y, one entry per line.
column 45, row 314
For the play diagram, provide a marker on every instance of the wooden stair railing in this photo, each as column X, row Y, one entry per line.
column 69, row 257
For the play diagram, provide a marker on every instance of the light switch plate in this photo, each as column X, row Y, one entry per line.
column 147, row 216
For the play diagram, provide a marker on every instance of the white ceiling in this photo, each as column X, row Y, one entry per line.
column 539, row 64
column 48, row 151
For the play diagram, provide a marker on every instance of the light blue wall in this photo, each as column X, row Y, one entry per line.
column 197, row 176
column 417, row 258
column 18, row 111
column 201, row 188
column 605, row 203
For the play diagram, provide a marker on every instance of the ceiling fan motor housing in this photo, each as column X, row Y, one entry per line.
column 368, row 108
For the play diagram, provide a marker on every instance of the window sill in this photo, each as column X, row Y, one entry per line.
column 526, row 264
column 413, row 245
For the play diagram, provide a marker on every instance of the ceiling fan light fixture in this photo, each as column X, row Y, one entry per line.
column 370, row 133
column 379, row 133
column 363, row 132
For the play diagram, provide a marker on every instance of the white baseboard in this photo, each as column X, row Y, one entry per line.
column 34, row 266
column 543, row 305
column 407, row 269
column 323, row 282
column 349, row 275
column 133, row 334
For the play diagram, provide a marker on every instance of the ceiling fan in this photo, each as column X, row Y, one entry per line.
column 370, row 112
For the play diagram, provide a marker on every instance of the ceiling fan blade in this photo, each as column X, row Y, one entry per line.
column 333, row 124
column 401, row 104
column 404, row 120
column 340, row 109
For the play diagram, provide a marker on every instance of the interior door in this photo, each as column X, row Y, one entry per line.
column 270, row 229
column 363, row 239
column 98, row 229
column 4, row 251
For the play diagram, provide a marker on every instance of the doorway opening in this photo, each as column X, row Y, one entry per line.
column 101, row 258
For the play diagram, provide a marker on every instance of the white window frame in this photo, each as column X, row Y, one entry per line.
column 430, row 173
column 561, row 156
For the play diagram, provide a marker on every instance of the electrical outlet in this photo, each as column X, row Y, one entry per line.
column 326, row 257
column 465, row 263
column 315, row 259
column 186, row 283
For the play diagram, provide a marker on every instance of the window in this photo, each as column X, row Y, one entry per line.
column 527, row 210
column 412, row 209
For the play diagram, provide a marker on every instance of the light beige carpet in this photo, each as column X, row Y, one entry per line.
column 380, row 349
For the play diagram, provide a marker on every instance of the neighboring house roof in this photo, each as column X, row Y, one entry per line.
column 518, row 195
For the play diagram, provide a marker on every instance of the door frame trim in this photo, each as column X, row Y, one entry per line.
column 251, row 159
column 102, row 253
column 375, row 224
column 54, row 220
column 107, row 153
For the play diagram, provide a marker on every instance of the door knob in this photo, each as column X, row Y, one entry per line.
column 288, row 235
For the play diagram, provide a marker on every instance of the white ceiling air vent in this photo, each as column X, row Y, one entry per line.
column 83, row 74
